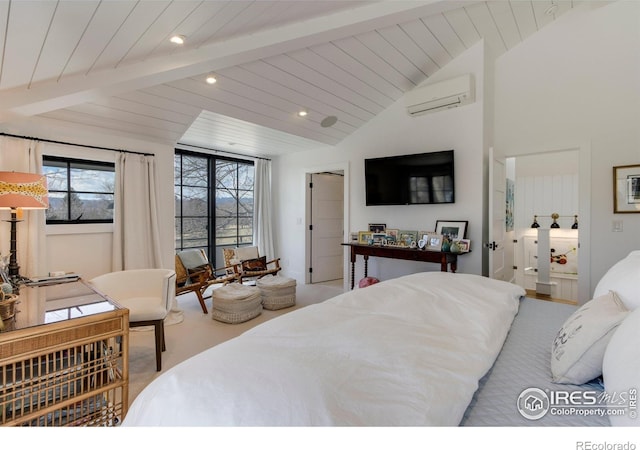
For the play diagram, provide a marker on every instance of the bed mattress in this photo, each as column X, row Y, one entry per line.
column 525, row 362
column 403, row 352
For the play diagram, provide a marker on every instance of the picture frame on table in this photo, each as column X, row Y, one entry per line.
column 377, row 227
column 407, row 237
column 392, row 234
column 433, row 242
column 379, row 238
column 453, row 229
column 464, row 245
column 626, row 189
column 423, row 234
column 364, row 237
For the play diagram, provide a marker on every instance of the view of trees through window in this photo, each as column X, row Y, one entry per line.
column 79, row 191
column 214, row 202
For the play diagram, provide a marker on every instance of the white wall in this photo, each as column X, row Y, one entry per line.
column 576, row 82
column 393, row 132
column 86, row 249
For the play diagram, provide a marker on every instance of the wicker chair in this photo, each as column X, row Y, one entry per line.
column 194, row 273
column 237, row 261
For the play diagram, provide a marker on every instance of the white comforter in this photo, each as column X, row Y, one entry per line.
column 408, row 351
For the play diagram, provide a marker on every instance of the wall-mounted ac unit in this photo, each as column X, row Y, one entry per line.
column 441, row 95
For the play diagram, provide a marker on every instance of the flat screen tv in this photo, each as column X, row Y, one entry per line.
column 419, row 179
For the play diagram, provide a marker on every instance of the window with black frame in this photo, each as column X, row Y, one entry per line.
column 80, row 191
column 213, row 202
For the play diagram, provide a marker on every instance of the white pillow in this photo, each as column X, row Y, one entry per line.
column 621, row 368
column 623, row 278
column 579, row 346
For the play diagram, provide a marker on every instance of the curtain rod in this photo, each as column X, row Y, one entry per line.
column 76, row 145
column 223, row 151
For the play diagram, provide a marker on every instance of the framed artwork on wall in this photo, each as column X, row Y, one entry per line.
column 626, row 189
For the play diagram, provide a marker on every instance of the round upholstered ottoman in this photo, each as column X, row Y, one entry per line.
column 277, row 292
column 236, row 303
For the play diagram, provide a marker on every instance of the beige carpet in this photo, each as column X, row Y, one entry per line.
column 198, row 331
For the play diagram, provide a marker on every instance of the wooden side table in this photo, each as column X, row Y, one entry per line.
column 69, row 370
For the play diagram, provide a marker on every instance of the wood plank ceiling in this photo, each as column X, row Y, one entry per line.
column 110, row 65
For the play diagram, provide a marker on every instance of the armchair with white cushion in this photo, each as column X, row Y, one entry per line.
column 147, row 294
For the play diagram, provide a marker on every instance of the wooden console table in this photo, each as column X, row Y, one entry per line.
column 445, row 259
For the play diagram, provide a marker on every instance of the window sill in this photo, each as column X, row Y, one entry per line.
column 88, row 228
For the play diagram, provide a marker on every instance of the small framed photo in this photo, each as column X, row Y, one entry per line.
column 626, row 189
column 407, row 237
column 379, row 238
column 365, row 237
column 433, row 242
column 354, row 236
column 377, row 227
column 392, row 233
column 453, row 229
column 464, row 245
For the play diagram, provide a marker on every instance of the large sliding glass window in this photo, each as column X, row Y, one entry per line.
column 214, row 203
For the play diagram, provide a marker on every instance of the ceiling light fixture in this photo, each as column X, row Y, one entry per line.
column 302, row 113
column 211, row 78
column 178, row 39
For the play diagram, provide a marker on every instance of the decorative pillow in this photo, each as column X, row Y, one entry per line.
column 255, row 265
column 621, row 369
column 622, row 278
column 579, row 346
column 206, row 268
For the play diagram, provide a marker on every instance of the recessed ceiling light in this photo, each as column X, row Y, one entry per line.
column 177, row 39
column 211, row 78
column 302, row 113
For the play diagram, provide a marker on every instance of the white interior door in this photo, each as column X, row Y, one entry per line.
column 327, row 210
column 497, row 226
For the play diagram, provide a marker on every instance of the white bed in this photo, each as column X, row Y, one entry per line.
column 408, row 352
column 428, row 349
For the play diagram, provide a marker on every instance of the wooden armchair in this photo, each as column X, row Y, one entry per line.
column 194, row 273
column 247, row 264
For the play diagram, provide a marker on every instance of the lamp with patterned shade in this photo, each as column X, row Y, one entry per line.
column 18, row 191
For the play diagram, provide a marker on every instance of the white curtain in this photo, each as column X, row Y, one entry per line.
column 136, row 238
column 262, row 225
column 25, row 155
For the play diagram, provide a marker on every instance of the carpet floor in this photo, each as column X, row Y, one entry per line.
column 198, row 332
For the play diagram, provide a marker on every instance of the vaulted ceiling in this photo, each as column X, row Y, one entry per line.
column 109, row 64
